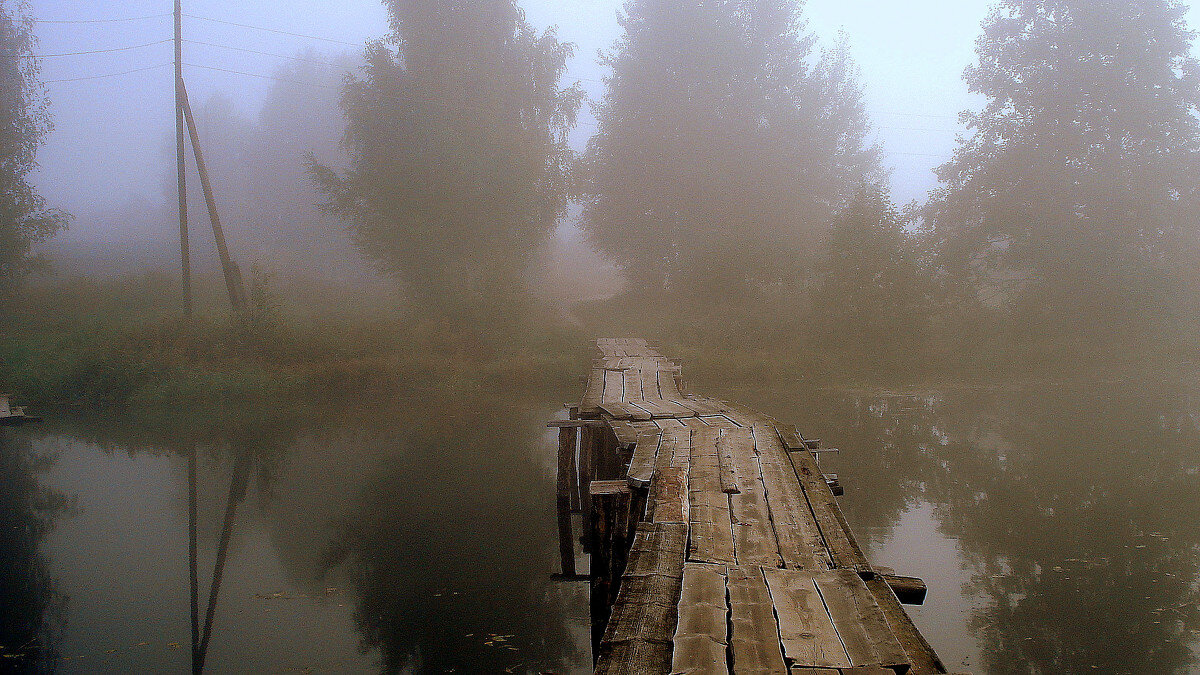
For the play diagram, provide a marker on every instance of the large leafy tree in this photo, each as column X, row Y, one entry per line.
column 24, row 122
column 873, row 294
column 1074, row 202
column 724, row 145
column 457, row 134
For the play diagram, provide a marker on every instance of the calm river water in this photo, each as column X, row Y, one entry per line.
column 1058, row 530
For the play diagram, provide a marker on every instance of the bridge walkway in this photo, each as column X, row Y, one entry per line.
column 717, row 545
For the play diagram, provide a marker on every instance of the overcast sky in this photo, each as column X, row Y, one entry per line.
column 110, row 131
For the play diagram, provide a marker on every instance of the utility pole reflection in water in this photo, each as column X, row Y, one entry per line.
column 237, row 493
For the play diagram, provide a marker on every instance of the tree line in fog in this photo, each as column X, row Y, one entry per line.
column 732, row 174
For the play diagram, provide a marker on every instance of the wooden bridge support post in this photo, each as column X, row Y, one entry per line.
column 566, row 471
column 610, row 538
column 587, row 457
column 573, row 413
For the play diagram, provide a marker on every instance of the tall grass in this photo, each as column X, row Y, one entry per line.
column 122, row 344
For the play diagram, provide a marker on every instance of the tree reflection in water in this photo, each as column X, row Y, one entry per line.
column 448, row 548
column 1074, row 507
column 34, row 612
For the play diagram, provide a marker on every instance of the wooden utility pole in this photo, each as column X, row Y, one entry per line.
column 233, row 276
column 180, row 174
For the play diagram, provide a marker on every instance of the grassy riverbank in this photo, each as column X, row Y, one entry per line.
column 122, row 345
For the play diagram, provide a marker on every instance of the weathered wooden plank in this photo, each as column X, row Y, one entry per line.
column 675, row 448
column 624, row 411
column 754, row 635
column 749, row 413
column 645, row 454
column 702, row 636
column 867, row 670
column 593, row 391
column 843, row 550
column 632, row 383
column 711, row 530
column 753, row 537
column 614, row 386
column 703, row 405
column 790, row 436
column 735, row 420
column 651, row 409
column 634, row 346
column 859, row 621
column 922, row 656
column 646, row 426
column 645, row 610
column 648, row 378
column 670, row 424
column 660, row 409
column 633, row 656
column 557, row 424
column 657, row 548
column 754, row 540
column 718, row 421
column 668, row 501
column 668, row 497
column 800, row 542
column 625, row 432
column 676, row 409
column 644, row 615
column 805, row 629
column 726, row 444
column 668, row 386
column 908, row 590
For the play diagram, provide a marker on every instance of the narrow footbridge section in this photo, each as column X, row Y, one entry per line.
column 716, row 544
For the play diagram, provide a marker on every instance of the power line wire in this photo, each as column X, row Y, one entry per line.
column 97, row 77
column 119, row 20
column 100, row 51
column 265, row 77
column 272, row 30
column 254, row 51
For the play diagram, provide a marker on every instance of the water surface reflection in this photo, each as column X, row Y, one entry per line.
column 1055, row 525
column 1069, row 511
column 416, row 537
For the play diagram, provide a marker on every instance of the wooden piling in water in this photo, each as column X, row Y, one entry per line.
column 610, row 509
column 587, row 454
column 566, row 467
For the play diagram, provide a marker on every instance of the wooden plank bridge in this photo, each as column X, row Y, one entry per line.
column 716, row 544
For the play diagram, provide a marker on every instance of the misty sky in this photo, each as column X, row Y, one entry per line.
column 110, row 132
